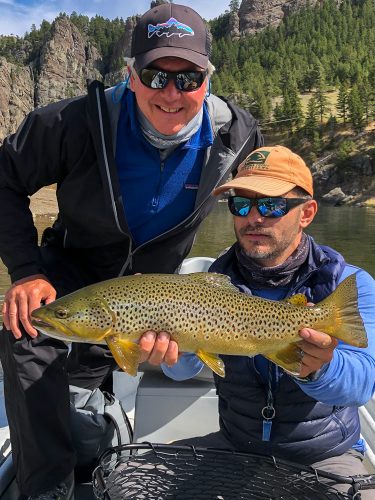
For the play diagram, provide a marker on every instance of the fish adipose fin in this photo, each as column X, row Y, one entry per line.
column 212, row 361
column 288, row 358
column 347, row 324
column 125, row 352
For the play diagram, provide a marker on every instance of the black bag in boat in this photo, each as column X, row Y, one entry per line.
column 98, row 422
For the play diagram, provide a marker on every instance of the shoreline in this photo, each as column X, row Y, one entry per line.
column 44, row 202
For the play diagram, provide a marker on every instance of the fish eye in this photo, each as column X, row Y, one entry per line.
column 61, row 313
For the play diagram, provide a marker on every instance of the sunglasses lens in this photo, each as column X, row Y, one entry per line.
column 272, row 207
column 239, row 206
column 189, row 81
column 154, row 78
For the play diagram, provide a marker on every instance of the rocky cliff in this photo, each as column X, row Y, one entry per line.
column 16, row 96
column 65, row 63
column 60, row 71
column 255, row 15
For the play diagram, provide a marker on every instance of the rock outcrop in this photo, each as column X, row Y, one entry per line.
column 65, row 63
column 234, row 25
column 61, row 70
column 350, row 181
column 16, row 96
column 123, row 47
column 255, row 15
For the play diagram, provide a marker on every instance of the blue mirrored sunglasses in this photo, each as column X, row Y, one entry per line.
column 267, row 207
column 186, row 81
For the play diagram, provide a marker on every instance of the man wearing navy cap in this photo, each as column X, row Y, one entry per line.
column 135, row 167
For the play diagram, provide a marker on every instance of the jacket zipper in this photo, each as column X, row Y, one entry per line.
column 156, row 198
column 105, row 156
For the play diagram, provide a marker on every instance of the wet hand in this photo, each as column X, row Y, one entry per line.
column 316, row 349
column 22, row 298
column 157, row 348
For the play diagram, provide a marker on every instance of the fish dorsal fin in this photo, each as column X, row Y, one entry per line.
column 212, row 361
column 299, row 299
column 125, row 352
column 215, row 279
column 289, row 358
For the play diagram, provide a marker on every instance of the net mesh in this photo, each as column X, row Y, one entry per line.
column 151, row 471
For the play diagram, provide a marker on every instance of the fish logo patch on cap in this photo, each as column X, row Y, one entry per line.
column 256, row 160
column 170, row 28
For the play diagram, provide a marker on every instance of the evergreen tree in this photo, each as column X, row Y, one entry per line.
column 311, row 122
column 342, row 105
column 234, row 5
column 291, row 107
column 356, row 109
column 321, row 101
column 366, row 93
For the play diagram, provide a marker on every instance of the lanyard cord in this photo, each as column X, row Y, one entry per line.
column 268, row 412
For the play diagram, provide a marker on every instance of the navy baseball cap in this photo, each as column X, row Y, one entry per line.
column 171, row 30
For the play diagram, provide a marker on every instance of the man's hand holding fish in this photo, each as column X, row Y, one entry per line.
column 158, row 348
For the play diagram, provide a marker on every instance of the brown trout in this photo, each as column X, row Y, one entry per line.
column 204, row 313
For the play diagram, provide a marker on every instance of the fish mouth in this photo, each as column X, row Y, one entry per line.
column 49, row 326
column 39, row 322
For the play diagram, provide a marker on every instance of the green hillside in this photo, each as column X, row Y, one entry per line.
column 319, row 48
column 317, row 65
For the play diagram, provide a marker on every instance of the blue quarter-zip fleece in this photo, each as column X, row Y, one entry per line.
column 157, row 195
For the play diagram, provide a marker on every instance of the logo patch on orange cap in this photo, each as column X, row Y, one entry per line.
column 256, row 160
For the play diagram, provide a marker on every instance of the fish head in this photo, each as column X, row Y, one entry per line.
column 75, row 318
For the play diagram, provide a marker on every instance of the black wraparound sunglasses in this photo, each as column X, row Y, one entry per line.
column 186, row 81
column 274, row 206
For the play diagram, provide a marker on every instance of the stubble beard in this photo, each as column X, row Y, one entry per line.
column 276, row 247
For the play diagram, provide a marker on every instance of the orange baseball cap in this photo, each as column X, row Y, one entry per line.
column 271, row 171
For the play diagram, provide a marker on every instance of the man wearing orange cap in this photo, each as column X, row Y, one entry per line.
column 312, row 418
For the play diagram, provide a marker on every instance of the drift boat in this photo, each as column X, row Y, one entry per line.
column 176, row 409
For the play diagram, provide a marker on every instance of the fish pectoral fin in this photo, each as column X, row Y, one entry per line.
column 299, row 299
column 126, row 353
column 289, row 358
column 212, row 361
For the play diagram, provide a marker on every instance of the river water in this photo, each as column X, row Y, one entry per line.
column 350, row 230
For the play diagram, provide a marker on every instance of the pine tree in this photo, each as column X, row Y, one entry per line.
column 234, row 5
column 291, row 107
column 356, row 109
column 342, row 105
column 322, row 102
column 366, row 93
column 311, row 121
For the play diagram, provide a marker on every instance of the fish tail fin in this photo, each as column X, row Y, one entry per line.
column 347, row 324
